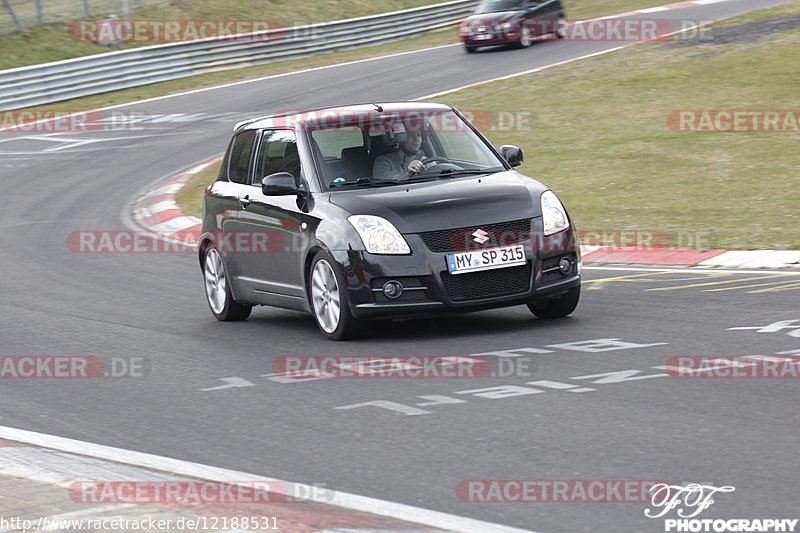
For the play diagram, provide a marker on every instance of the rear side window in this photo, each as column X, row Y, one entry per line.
column 240, row 155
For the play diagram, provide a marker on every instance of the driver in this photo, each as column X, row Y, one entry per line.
column 406, row 160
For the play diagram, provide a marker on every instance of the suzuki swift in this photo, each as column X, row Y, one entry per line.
column 381, row 211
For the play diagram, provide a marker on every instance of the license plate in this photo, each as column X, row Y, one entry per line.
column 482, row 37
column 486, row 259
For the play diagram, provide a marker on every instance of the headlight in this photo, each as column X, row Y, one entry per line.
column 508, row 27
column 379, row 236
column 553, row 214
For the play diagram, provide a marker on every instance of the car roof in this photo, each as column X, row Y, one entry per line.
column 374, row 110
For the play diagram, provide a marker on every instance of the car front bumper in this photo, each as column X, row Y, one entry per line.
column 429, row 288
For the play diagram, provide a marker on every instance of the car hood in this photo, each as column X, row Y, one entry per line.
column 488, row 18
column 447, row 203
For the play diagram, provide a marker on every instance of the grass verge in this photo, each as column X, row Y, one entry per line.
column 602, row 143
column 190, row 197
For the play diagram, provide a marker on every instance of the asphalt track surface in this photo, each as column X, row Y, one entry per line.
column 54, row 302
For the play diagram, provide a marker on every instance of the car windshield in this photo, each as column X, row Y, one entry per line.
column 493, row 6
column 381, row 148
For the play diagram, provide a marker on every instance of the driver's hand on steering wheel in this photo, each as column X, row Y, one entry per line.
column 416, row 167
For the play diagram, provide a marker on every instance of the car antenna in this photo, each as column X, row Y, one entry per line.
column 378, row 108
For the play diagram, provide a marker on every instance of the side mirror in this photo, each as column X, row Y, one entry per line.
column 512, row 154
column 279, row 184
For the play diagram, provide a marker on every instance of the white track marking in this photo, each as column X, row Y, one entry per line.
column 690, row 269
column 179, row 467
column 755, row 259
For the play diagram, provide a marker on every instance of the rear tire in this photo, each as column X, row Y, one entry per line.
column 558, row 308
column 218, row 290
column 329, row 301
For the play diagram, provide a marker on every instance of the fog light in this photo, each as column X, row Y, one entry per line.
column 565, row 265
column 392, row 289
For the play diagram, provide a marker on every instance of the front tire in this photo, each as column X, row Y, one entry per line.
column 559, row 32
column 218, row 290
column 329, row 302
column 470, row 48
column 525, row 38
column 558, row 308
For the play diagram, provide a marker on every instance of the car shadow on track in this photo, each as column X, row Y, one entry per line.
column 436, row 328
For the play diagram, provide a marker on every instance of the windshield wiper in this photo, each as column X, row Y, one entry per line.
column 449, row 173
column 362, row 181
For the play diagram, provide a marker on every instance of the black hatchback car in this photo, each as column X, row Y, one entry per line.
column 517, row 22
column 381, row 211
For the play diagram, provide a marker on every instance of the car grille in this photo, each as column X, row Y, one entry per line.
column 487, row 283
column 461, row 240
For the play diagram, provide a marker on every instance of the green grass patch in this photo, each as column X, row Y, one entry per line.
column 190, row 196
column 602, row 143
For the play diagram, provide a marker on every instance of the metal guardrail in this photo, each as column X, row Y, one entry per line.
column 84, row 76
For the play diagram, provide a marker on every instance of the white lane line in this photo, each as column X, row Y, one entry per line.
column 523, row 73
column 565, row 62
column 690, row 269
column 344, row 500
column 271, row 77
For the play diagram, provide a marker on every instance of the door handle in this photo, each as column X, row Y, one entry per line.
column 245, row 201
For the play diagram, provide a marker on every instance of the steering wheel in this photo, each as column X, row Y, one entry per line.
column 429, row 160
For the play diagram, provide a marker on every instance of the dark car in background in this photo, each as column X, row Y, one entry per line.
column 464, row 233
column 517, row 22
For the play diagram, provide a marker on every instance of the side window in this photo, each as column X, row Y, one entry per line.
column 239, row 156
column 278, row 153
